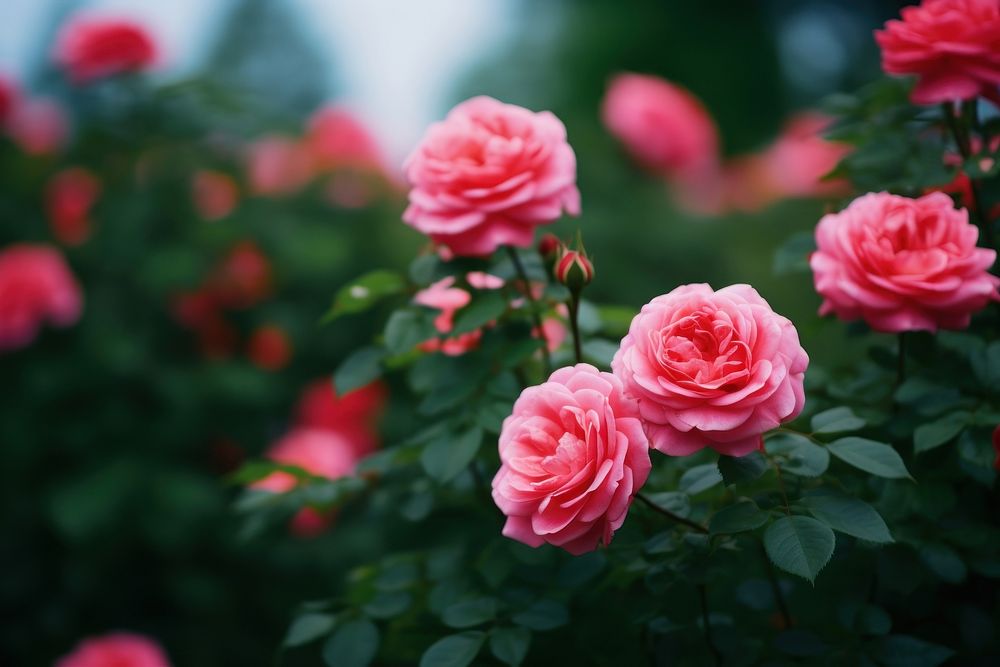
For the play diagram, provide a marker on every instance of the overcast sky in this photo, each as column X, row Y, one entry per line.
column 397, row 58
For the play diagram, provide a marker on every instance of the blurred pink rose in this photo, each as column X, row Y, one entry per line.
column 69, row 196
column 38, row 126
column 119, row 649
column 447, row 298
column 36, row 286
column 489, row 174
column 712, row 369
column 662, row 125
column 215, row 194
column 353, row 415
column 319, row 452
column 90, row 47
column 573, row 454
column 483, row 280
column 799, row 159
column 242, row 278
column 902, row 264
column 9, row 97
column 336, row 138
column 278, row 166
column 952, row 46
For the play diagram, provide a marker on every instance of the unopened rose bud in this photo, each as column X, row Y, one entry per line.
column 549, row 246
column 574, row 270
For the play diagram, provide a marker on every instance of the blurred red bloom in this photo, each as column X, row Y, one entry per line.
column 996, row 447
column 242, row 278
column 354, row 414
column 90, row 48
column 269, row 348
column 69, row 196
column 336, row 138
column 278, row 166
column 9, row 95
column 36, row 286
column 217, row 338
column 215, row 194
column 38, row 126
column 119, row 649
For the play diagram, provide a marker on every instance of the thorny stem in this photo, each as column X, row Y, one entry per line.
column 673, row 517
column 965, row 149
column 535, row 316
column 703, row 595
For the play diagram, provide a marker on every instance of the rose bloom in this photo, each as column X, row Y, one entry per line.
column 952, row 46
column 712, row 369
column 800, row 157
column 489, row 174
column 36, row 286
column 447, row 298
column 214, row 194
column 353, row 415
column 573, row 454
column 269, row 348
column 69, row 196
column 38, row 126
column 319, row 452
column 119, row 649
column 902, row 264
column 663, row 126
column 336, row 138
column 242, row 278
column 90, row 48
column 278, row 166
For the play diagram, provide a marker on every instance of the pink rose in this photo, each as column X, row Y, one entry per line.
column 120, row 649
column 353, row 415
column 36, row 286
column 214, row 193
column 336, row 138
column 447, row 298
column 278, row 166
column 38, row 126
column 800, row 157
column 712, row 369
column 662, row 125
column 488, row 174
column 93, row 48
column 573, row 454
column 319, row 452
column 953, row 46
column 902, row 264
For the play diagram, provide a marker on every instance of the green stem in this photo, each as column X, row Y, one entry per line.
column 533, row 306
column 964, row 144
column 574, row 323
column 673, row 517
column 703, row 596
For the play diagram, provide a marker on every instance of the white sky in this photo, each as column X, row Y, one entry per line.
column 397, row 58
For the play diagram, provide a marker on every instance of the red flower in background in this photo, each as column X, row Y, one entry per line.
column 119, row 649
column 278, row 166
column 952, row 46
column 242, row 278
column 215, row 194
column 269, row 348
column 90, row 48
column 38, row 126
column 663, row 126
column 36, row 286
column 9, row 95
column 353, row 415
column 996, row 447
column 69, row 196
column 336, row 138
column 319, row 452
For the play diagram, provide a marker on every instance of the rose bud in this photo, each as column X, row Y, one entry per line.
column 574, row 270
column 549, row 246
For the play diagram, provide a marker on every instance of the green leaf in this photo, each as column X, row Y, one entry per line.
column 793, row 255
column 738, row 517
column 454, row 650
column 468, row 613
column 353, row 645
column 802, row 456
column 836, row 420
column 945, row 562
column 405, row 329
column 848, row 515
column 308, row 627
column 873, row 457
column 906, row 651
column 388, row 604
column 485, row 308
column 700, row 478
column 543, row 615
column 361, row 368
column 936, row 433
column 676, row 502
column 799, row 545
column 445, row 457
column 736, row 469
column 510, row 645
column 872, row 620
column 364, row 292
column 599, row 351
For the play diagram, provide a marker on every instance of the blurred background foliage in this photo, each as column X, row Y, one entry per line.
column 115, row 433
